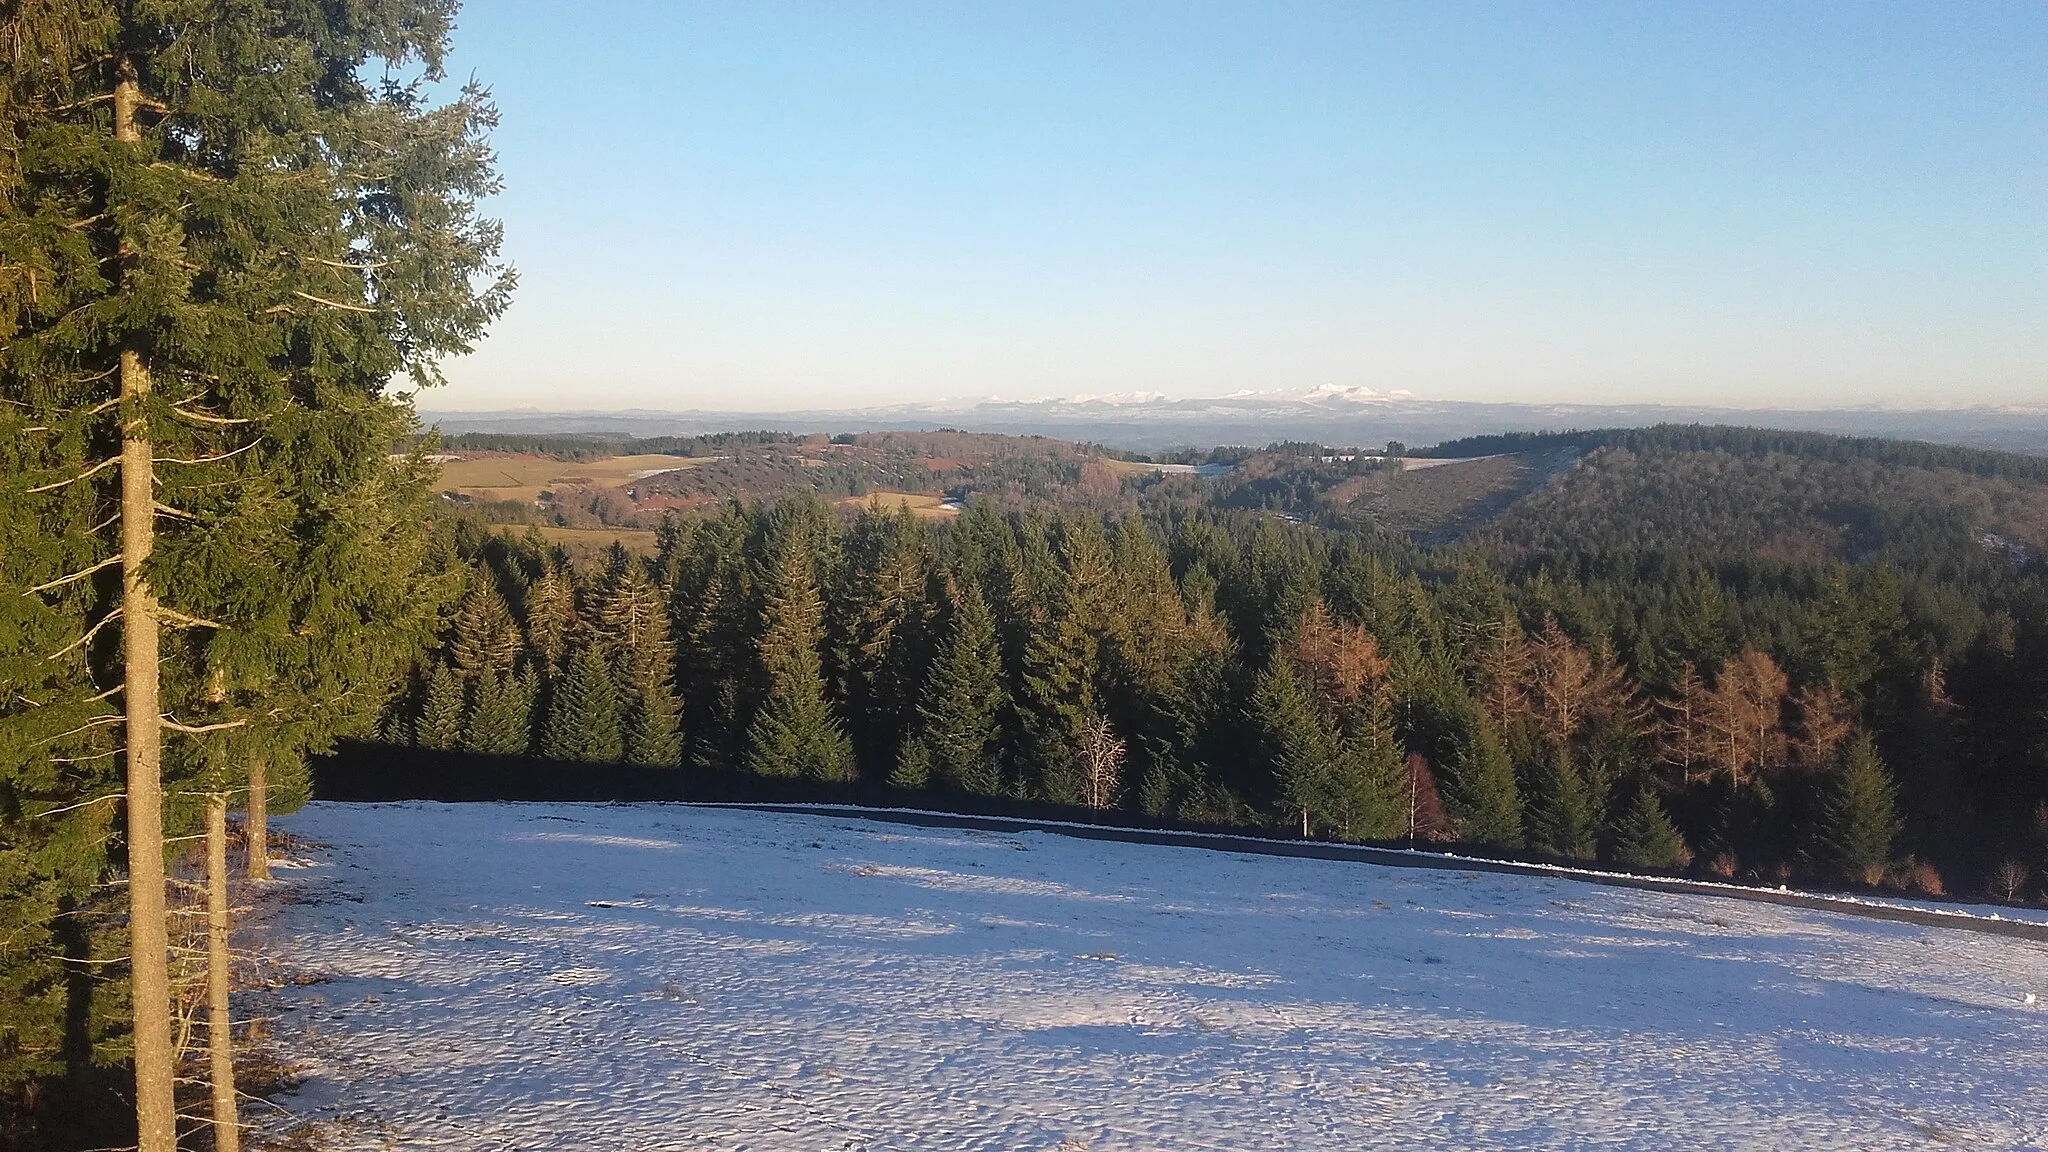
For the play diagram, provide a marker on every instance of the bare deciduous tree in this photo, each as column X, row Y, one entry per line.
column 1102, row 762
column 2008, row 881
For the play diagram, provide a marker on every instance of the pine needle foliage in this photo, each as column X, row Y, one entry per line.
column 226, row 289
column 795, row 734
column 583, row 718
column 959, row 718
column 1645, row 839
column 1859, row 820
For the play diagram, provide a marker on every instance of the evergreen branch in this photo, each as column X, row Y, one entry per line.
column 175, row 726
column 91, row 632
column 79, row 575
column 99, row 467
column 333, row 303
column 209, row 459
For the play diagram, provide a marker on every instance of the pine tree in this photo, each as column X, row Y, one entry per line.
column 794, row 734
column 959, row 716
column 224, row 237
column 550, row 620
column 1859, row 818
column 1483, row 800
column 1300, row 746
column 1645, row 840
column 634, row 627
column 583, row 716
column 440, row 722
column 874, row 629
column 1563, row 818
column 913, row 769
column 500, row 718
column 484, row 637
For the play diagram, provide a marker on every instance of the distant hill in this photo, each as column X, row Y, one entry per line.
column 1328, row 415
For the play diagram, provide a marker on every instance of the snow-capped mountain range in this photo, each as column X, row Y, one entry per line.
column 1330, row 414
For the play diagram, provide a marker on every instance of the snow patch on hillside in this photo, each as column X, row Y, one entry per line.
column 666, row 977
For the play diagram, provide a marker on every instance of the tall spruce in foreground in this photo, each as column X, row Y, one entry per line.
column 1645, row 839
column 220, row 241
column 1859, row 817
column 583, row 717
column 1484, row 801
column 794, row 734
column 959, row 716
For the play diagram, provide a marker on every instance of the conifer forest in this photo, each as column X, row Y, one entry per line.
column 236, row 240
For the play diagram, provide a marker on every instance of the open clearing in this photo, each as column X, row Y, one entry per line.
column 524, row 478
column 924, row 505
column 669, row 977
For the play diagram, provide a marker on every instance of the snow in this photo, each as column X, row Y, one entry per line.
column 668, row 977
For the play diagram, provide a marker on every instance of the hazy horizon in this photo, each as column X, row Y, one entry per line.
column 805, row 206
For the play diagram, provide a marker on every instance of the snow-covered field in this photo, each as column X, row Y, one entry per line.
column 665, row 977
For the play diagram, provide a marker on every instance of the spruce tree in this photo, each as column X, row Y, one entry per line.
column 633, row 622
column 1563, row 818
column 225, row 237
column 500, row 718
column 1483, row 800
column 551, row 620
column 1301, row 748
column 794, row 733
column 913, row 769
column 484, row 638
column 440, row 722
column 874, row 628
column 1645, row 840
column 583, row 716
column 1859, row 818
column 959, row 716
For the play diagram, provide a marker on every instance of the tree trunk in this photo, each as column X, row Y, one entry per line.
column 227, row 1135
column 149, row 941
column 256, row 828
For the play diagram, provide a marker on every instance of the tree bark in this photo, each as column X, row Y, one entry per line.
column 256, row 828
column 227, row 1134
column 149, row 940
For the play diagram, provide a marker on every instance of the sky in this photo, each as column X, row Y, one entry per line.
column 775, row 205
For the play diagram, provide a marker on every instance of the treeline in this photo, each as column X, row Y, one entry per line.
column 580, row 447
column 1229, row 668
column 1741, row 441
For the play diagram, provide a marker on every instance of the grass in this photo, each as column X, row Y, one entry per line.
column 524, row 478
column 924, row 505
column 581, row 540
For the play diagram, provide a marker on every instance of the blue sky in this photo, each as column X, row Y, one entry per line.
column 773, row 205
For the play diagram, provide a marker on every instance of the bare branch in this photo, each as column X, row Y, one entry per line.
column 91, row 632
column 99, row 467
column 80, row 804
column 174, row 726
column 209, row 459
column 163, row 509
column 176, row 617
column 60, row 581
column 206, row 418
column 333, row 303
column 95, row 722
